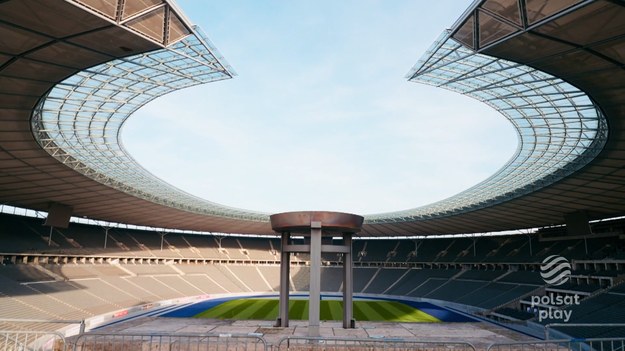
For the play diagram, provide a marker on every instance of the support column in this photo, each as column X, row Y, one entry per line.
column 50, row 236
column 285, row 267
column 315, row 279
column 106, row 235
column 162, row 240
column 348, row 282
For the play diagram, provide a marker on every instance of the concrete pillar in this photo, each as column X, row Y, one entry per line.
column 285, row 267
column 348, row 282
column 106, row 236
column 332, row 223
column 315, row 279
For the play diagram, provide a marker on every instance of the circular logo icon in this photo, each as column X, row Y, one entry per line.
column 555, row 270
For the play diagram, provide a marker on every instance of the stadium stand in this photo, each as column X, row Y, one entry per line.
column 493, row 295
column 261, row 249
column 76, row 277
column 300, row 278
column 514, row 314
column 271, row 273
column 383, row 279
column 523, row 277
column 331, row 279
column 250, row 277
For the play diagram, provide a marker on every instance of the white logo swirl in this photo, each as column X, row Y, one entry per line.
column 555, row 270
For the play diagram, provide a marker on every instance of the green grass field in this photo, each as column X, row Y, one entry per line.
column 364, row 310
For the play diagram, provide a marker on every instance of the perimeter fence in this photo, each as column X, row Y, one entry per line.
column 169, row 342
column 296, row 343
column 597, row 344
column 53, row 341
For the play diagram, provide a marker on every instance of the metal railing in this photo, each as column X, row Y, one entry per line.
column 169, row 342
column 20, row 340
column 54, row 341
column 607, row 344
column 296, row 343
column 551, row 326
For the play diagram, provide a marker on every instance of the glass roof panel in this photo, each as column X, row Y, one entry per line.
column 554, row 140
column 80, row 119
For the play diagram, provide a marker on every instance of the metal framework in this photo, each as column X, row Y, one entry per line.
column 559, row 128
column 175, row 341
column 599, row 344
column 302, row 343
column 79, row 121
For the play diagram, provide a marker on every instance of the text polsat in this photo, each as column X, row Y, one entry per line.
column 552, row 304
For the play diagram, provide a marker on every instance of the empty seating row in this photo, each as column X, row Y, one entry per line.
column 23, row 234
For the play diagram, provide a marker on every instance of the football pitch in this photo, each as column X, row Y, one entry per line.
column 364, row 310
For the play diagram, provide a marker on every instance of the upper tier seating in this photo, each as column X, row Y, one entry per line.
column 86, row 239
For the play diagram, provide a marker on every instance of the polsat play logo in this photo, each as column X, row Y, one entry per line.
column 555, row 270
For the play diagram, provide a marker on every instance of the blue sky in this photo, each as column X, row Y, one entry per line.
column 320, row 116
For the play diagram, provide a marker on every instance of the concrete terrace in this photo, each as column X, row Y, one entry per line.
column 479, row 334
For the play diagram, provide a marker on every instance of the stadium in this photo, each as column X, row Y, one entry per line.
column 99, row 254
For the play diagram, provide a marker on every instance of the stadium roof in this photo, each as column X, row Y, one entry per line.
column 71, row 73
